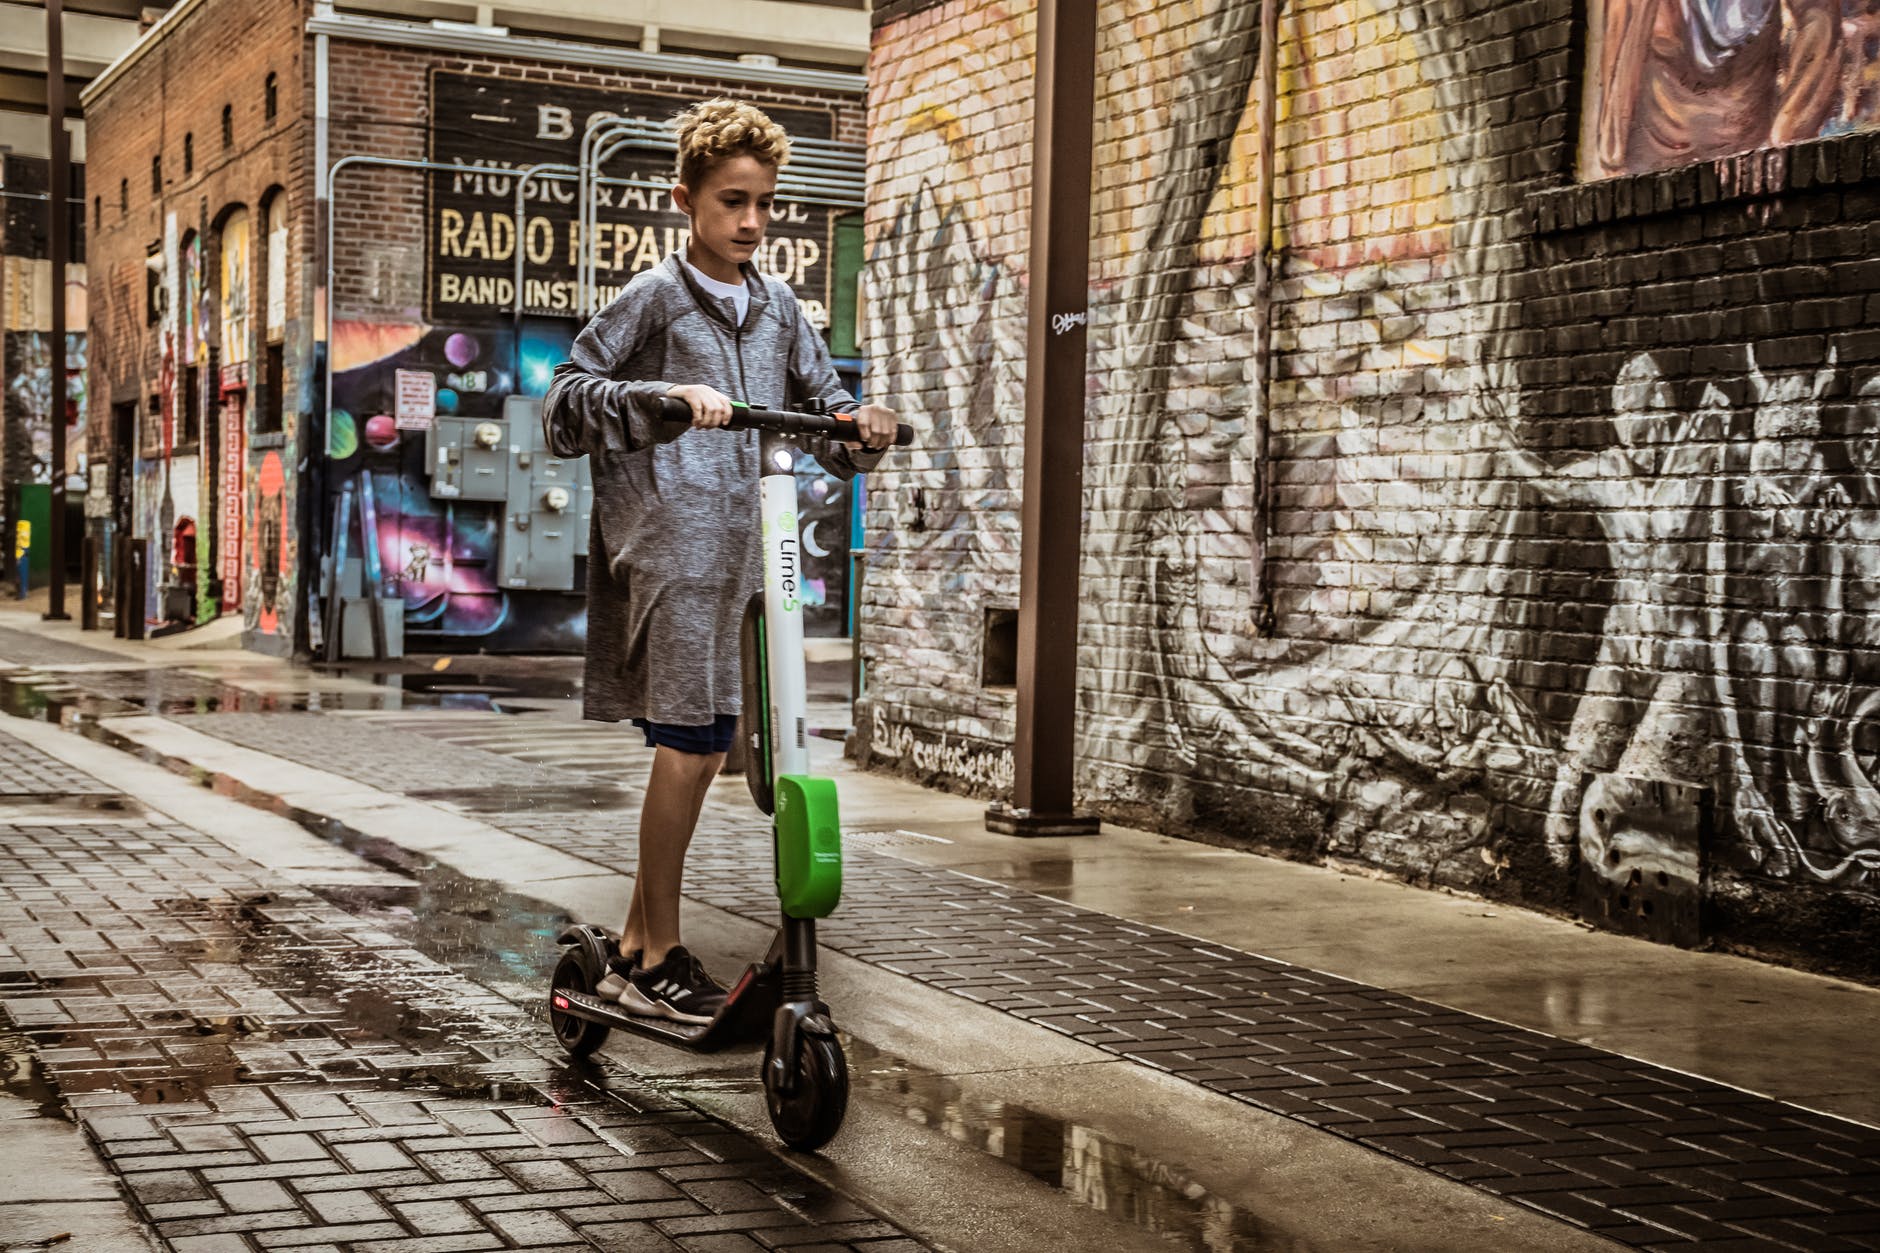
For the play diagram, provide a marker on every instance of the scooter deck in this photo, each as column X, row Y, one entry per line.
column 746, row 1017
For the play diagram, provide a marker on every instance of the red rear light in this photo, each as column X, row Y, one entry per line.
column 561, row 1002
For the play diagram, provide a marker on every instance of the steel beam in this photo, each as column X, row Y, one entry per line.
column 1051, row 513
column 58, row 201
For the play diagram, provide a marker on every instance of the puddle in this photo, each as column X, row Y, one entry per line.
column 518, row 686
column 512, row 799
column 23, row 1077
column 1093, row 1169
column 172, row 693
column 505, row 941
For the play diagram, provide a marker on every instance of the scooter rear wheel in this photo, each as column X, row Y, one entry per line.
column 579, row 1036
column 809, row 1117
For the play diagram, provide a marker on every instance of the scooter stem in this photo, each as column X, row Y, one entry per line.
column 783, row 607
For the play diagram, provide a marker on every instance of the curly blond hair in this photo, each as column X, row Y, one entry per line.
column 720, row 129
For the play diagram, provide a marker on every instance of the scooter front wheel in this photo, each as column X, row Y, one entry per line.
column 809, row 1117
column 579, row 1036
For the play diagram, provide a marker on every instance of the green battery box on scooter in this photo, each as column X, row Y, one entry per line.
column 809, row 846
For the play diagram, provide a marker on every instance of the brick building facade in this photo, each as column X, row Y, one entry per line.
column 201, row 215
column 422, row 296
column 1532, row 555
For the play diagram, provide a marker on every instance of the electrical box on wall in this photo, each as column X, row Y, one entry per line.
column 469, row 458
column 546, row 500
column 545, row 524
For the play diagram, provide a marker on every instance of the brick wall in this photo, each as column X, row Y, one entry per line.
column 1571, row 500
column 217, row 56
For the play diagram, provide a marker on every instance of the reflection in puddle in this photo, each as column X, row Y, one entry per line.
column 1106, row 1174
column 22, row 1076
column 174, row 692
column 510, row 799
column 521, row 685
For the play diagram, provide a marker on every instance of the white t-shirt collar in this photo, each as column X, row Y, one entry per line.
column 740, row 294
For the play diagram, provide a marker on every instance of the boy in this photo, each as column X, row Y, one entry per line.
column 674, row 553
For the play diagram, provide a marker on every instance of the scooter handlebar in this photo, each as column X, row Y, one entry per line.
column 784, row 421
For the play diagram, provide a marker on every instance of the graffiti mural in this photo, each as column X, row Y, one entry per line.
column 29, row 401
column 1504, row 626
column 440, row 552
column 269, row 566
column 439, row 556
column 1673, row 83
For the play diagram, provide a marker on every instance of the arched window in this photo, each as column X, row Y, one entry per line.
column 156, row 175
column 271, row 98
column 228, row 126
column 189, row 155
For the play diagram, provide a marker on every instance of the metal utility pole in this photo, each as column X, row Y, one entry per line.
column 58, row 199
column 1051, row 513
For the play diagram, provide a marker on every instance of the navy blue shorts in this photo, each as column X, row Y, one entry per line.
column 714, row 737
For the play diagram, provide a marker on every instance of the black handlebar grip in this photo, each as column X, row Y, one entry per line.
column 673, row 409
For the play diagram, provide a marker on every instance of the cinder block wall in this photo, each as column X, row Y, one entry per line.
column 1570, row 459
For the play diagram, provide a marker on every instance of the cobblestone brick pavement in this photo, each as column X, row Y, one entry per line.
column 385, row 756
column 25, row 771
column 1631, row 1151
column 264, row 1071
column 25, row 648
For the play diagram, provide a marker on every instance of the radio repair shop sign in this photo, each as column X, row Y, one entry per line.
column 490, row 127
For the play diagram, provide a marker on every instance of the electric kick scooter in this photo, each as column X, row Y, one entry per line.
column 806, row 1079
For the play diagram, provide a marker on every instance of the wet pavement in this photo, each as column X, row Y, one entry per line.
column 254, row 1061
column 1601, row 1142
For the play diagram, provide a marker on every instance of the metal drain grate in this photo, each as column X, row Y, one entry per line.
column 888, row 841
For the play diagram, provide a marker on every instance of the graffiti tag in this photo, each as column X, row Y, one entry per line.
column 1063, row 322
column 976, row 765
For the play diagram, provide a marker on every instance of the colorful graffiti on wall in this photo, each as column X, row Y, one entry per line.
column 1417, row 697
column 440, row 555
column 29, row 401
column 1673, row 83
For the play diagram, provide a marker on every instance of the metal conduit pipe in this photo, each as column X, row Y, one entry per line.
column 560, row 172
column 835, row 197
column 599, row 131
column 821, row 171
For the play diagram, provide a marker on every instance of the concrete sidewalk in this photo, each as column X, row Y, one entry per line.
column 1762, row 1027
column 1656, row 1015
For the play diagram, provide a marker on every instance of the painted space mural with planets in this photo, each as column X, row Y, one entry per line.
column 440, row 555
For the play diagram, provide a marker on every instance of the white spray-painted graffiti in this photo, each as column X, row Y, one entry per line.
column 1715, row 588
column 986, row 767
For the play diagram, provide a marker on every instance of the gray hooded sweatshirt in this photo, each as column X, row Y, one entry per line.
column 673, row 549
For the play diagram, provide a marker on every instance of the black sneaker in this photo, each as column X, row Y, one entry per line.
column 678, row 988
column 613, row 984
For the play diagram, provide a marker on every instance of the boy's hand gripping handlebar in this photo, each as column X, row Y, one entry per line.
column 784, row 421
